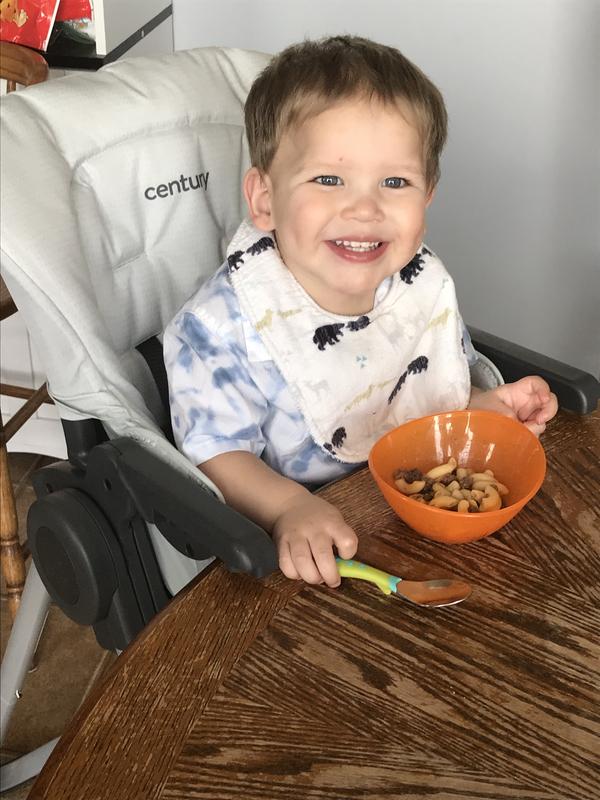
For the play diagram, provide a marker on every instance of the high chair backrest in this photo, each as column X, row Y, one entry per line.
column 120, row 191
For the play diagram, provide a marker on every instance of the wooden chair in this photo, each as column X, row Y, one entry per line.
column 18, row 65
column 12, row 557
column 21, row 65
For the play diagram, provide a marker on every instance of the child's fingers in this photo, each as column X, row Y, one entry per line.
column 309, row 554
column 534, row 384
column 303, row 561
column 532, row 408
column 541, row 408
column 549, row 408
column 535, row 427
column 346, row 542
column 286, row 565
column 325, row 561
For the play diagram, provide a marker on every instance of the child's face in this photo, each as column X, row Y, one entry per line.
column 346, row 197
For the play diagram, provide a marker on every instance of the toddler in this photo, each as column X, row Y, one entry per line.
column 330, row 321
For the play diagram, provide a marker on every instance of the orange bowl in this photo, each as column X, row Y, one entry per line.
column 476, row 439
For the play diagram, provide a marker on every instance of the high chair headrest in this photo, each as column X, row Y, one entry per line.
column 120, row 191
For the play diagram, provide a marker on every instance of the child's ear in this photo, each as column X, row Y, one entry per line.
column 430, row 197
column 258, row 198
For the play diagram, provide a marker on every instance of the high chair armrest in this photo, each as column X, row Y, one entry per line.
column 575, row 389
column 193, row 520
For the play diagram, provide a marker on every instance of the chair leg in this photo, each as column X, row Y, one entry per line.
column 22, row 642
column 25, row 767
column 12, row 562
column 25, row 634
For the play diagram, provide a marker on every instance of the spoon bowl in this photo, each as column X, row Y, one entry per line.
column 431, row 593
column 434, row 593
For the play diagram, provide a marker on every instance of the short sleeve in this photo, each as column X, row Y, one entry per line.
column 215, row 405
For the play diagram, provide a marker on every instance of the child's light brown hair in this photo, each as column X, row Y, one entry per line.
column 307, row 78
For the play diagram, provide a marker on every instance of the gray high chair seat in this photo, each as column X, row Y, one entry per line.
column 120, row 192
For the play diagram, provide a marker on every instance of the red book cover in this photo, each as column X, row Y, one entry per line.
column 74, row 9
column 27, row 22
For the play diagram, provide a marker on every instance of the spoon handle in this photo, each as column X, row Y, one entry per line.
column 356, row 569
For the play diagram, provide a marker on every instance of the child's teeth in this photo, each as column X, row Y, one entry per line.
column 357, row 245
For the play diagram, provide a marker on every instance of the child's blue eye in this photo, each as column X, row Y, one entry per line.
column 394, row 183
column 328, row 180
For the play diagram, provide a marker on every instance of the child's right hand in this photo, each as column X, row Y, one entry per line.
column 304, row 527
column 305, row 534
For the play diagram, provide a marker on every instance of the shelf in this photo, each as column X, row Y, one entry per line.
column 64, row 53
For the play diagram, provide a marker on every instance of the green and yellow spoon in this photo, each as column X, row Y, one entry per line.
column 437, row 592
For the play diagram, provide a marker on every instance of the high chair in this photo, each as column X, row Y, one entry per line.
column 103, row 240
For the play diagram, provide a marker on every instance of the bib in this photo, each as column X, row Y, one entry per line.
column 356, row 377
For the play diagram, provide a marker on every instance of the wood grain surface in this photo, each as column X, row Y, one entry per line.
column 273, row 689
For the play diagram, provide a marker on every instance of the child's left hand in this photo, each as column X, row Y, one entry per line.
column 528, row 400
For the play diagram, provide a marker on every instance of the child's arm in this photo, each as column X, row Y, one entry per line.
column 528, row 400
column 304, row 527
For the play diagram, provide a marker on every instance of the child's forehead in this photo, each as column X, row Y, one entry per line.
column 314, row 110
column 321, row 121
column 328, row 130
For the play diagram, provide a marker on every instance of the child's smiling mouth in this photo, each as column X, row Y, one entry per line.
column 357, row 246
column 357, row 251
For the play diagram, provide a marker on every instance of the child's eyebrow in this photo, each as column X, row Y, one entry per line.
column 330, row 167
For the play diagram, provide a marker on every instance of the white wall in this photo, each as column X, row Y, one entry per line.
column 116, row 20
column 517, row 215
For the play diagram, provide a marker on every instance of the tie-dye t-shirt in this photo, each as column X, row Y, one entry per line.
column 226, row 393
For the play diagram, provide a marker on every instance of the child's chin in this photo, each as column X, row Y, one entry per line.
column 355, row 303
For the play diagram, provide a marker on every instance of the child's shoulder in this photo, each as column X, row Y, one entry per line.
column 215, row 291
column 214, row 303
column 213, row 314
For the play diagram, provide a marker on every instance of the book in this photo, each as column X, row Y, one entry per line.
column 27, row 22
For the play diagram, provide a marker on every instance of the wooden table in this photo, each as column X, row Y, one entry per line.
column 272, row 689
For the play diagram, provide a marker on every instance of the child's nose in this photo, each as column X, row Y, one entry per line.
column 363, row 208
